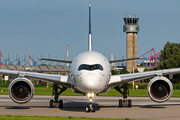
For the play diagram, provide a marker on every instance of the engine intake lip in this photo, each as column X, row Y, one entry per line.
column 158, row 79
column 25, row 80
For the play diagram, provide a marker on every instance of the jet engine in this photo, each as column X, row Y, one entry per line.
column 160, row 89
column 21, row 90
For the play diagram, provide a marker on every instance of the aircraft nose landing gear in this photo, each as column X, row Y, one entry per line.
column 90, row 107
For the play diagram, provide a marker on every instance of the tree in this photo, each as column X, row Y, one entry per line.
column 170, row 58
column 124, row 71
column 135, row 71
column 113, row 72
column 142, row 64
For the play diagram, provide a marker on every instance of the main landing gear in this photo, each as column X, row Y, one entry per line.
column 56, row 94
column 125, row 102
column 90, row 107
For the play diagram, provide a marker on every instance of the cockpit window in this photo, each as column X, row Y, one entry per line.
column 90, row 67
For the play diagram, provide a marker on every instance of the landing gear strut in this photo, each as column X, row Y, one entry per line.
column 56, row 94
column 125, row 102
column 90, row 107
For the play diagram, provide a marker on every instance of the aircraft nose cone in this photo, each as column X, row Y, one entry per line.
column 90, row 83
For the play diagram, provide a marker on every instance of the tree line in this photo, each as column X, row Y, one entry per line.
column 169, row 58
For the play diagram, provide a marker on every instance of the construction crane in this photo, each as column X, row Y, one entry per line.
column 30, row 60
column 33, row 63
column 2, row 58
column 152, row 57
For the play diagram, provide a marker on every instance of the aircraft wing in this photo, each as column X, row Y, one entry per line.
column 54, row 60
column 57, row 79
column 113, row 61
column 126, row 78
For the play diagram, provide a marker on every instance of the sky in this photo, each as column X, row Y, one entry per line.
column 38, row 27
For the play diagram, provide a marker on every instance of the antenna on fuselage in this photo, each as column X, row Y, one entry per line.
column 90, row 42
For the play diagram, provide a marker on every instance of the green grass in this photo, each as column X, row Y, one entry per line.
column 3, row 90
column 18, row 117
column 69, row 92
column 134, row 93
column 44, row 91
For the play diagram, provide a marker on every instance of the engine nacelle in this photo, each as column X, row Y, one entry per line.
column 160, row 89
column 21, row 90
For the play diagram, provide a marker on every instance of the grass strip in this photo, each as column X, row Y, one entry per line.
column 19, row 117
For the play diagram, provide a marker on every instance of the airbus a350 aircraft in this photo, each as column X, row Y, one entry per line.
column 90, row 74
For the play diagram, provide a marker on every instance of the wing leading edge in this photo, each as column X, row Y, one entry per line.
column 54, row 60
column 57, row 79
column 125, row 78
column 113, row 61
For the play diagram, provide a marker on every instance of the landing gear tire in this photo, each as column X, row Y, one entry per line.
column 88, row 108
column 60, row 103
column 93, row 108
column 51, row 103
column 125, row 102
column 56, row 93
column 120, row 103
column 129, row 103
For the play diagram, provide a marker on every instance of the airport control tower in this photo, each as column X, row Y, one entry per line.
column 131, row 28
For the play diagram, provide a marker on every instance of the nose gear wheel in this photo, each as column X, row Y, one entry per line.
column 90, row 108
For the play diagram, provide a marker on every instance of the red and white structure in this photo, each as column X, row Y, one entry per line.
column 67, row 55
column 30, row 60
column 47, row 85
column 2, row 58
column 151, row 57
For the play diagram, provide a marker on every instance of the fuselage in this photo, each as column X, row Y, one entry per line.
column 90, row 72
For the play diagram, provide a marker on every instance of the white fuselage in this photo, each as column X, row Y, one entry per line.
column 90, row 72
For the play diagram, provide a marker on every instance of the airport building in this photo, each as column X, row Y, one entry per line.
column 131, row 28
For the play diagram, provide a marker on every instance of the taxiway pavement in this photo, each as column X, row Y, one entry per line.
column 106, row 107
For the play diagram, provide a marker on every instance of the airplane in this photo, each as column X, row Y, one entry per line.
column 90, row 75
